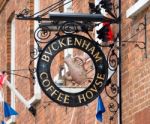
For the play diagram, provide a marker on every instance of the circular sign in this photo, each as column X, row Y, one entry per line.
column 72, row 70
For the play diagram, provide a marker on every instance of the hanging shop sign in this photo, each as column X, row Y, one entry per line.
column 69, row 78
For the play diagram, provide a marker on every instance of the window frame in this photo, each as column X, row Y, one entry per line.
column 12, row 39
column 68, row 7
column 37, row 90
column 137, row 8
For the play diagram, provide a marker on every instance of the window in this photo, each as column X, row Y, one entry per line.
column 139, row 6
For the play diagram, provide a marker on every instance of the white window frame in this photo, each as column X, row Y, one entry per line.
column 12, row 67
column 68, row 7
column 37, row 90
column 137, row 8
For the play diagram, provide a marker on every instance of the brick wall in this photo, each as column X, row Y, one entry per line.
column 23, row 42
column 135, row 72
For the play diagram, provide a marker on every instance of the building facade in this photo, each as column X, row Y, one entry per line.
column 17, row 41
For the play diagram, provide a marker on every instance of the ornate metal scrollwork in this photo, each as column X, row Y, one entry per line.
column 69, row 27
column 34, row 53
column 140, row 44
column 41, row 34
column 24, row 13
column 112, row 91
column 31, row 66
column 112, row 59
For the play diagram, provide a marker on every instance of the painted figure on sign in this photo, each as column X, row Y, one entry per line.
column 76, row 69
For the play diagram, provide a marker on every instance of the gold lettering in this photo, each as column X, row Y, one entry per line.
column 100, row 76
column 55, row 46
column 69, row 41
column 46, row 83
column 92, row 49
column 99, row 83
column 66, row 99
column 81, row 97
column 94, row 89
column 49, row 52
column 61, row 43
column 45, row 58
column 43, row 75
column 78, row 42
column 89, row 94
column 54, row 93
column 97, row 57
column 51, row 88
column 60, row 98
column 85, row 45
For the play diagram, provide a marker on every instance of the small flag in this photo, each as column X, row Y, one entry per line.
column 100, row 109
column 2, row 122
column 106, row 33
column 2, row 78
column 8, row 110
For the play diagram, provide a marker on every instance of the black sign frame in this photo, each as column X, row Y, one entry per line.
column 56, row 94
column 113, row 58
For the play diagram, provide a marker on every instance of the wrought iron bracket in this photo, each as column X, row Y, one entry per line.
column 141, row 44
column 74, row 23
